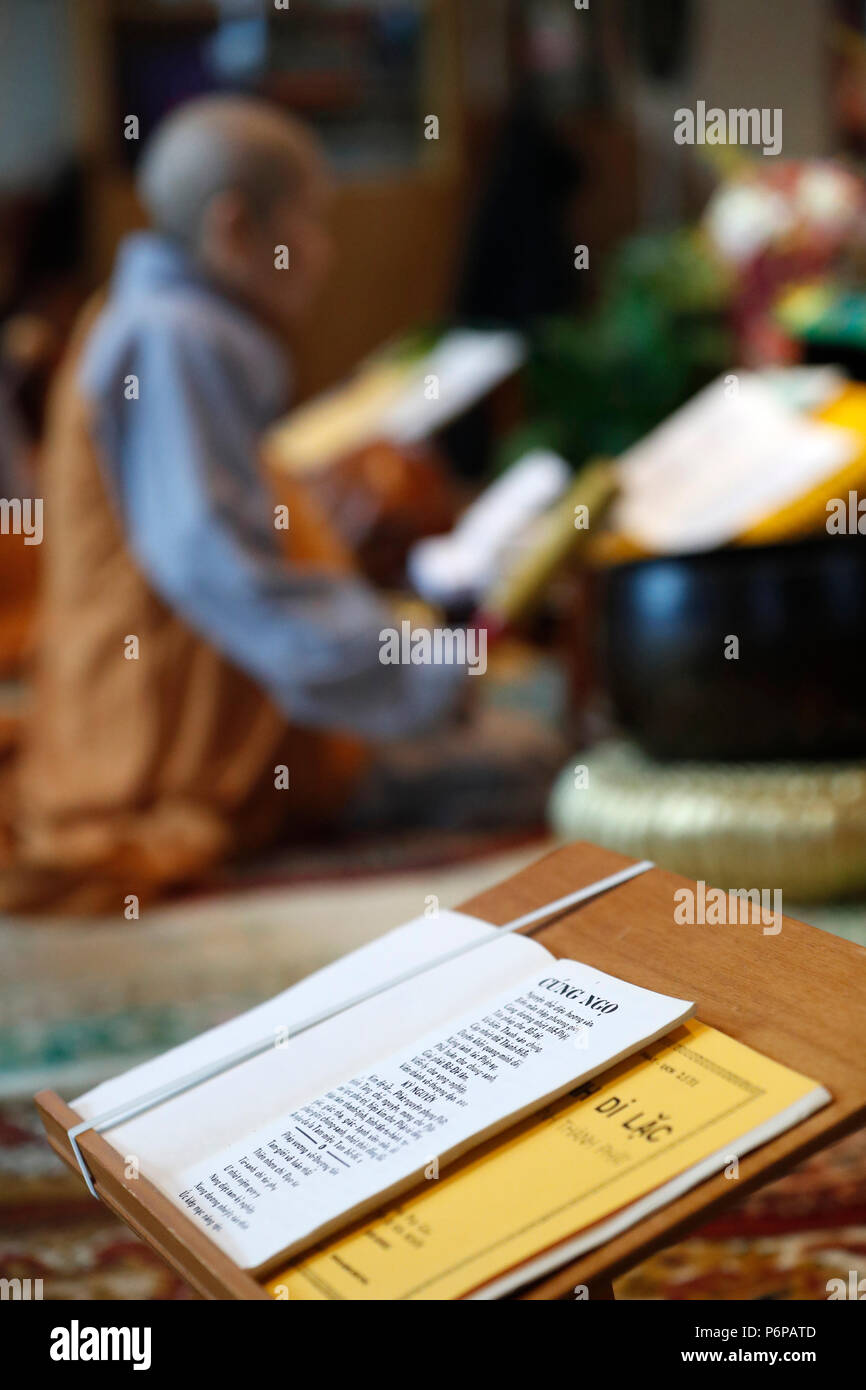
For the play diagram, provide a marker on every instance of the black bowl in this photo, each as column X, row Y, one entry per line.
column 796, row 687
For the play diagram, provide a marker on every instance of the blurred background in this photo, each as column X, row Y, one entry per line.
column 528, row 95
column 513, row 213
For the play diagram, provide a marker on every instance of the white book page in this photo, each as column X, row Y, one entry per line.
column 733, row 455
column 185, row 1130
column 467, row 363
column 374, row 1129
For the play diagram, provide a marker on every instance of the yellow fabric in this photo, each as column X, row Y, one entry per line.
column 138, row 774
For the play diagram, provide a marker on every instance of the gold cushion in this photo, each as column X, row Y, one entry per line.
column 798, row 827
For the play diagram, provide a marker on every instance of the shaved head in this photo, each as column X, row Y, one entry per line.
column 224, row 144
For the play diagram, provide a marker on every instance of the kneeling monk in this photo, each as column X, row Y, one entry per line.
column 186, row 671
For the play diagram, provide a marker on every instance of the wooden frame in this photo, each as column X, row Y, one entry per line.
column 798, row 996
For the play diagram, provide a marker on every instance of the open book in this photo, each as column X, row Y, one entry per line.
column 726, row 463
column 278, row 1152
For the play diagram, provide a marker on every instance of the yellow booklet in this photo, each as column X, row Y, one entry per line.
column 592, row 1164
